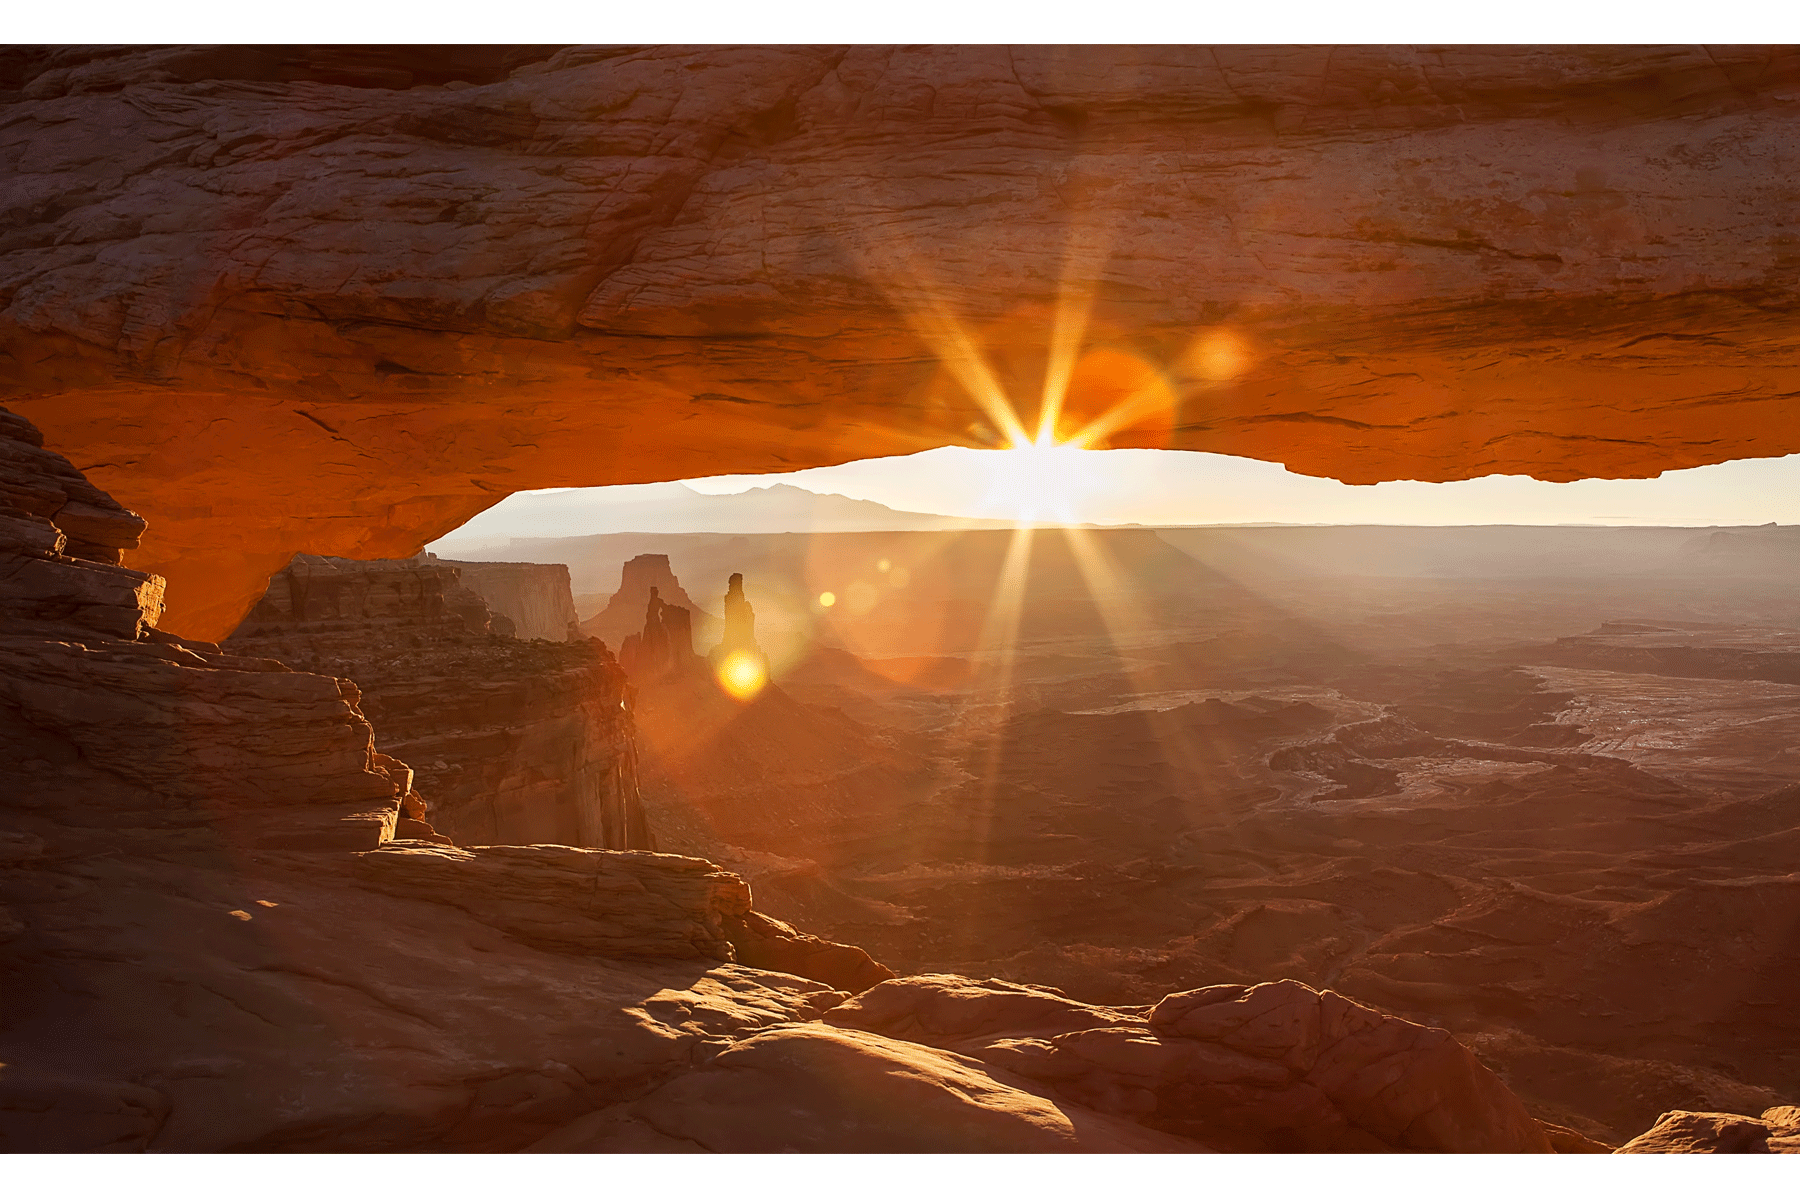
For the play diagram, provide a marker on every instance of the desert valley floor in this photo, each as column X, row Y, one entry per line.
column 1533, row 786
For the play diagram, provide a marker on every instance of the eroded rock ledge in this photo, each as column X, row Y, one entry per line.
column 351, row 316
column 511, row 741
column 209, row 941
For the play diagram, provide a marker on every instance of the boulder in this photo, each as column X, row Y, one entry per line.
column 1274, row 1067
column 1777, row 1131
column 615, row 904
column 821, row 1090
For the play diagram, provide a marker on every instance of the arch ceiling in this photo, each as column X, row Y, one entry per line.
column 340, row 300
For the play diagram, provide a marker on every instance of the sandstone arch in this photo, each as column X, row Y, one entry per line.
column 275, row 305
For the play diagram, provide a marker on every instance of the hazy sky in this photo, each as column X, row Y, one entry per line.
column 1160, row 487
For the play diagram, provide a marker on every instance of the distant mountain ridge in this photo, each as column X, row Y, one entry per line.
column 677, row 508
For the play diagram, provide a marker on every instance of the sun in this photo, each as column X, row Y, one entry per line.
column 1043, row 481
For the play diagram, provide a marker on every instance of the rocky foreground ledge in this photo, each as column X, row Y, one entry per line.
column 210, row 940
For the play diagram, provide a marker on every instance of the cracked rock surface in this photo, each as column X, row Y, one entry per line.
column 387, row 292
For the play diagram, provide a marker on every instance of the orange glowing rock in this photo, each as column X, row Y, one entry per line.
column 616, row 266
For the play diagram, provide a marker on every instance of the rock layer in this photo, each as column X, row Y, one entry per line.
column 1776, row 1132
column 616, row 905
column 111, row 724
column 535, row 597
column 620, row 265
column 1273, row 1067
column 623, row 615
column 512, row 741
column 190, row 963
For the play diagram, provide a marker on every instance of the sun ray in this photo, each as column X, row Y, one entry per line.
column 1155, row 396
column 979, row 739
column 1118, row 613
column 1126, row 626
column 962, row 356
column 1082, row 260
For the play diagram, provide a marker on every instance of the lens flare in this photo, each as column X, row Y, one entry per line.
column 1216, row 356
column 861, row 597
column 742, row 675
column 827, row 599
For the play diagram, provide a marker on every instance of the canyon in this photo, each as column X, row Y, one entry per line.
column 1137, row 840
column 217, row 831
column 1467, row 794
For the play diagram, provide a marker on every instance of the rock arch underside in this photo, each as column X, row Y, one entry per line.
column 334, row 300
column 396, row 867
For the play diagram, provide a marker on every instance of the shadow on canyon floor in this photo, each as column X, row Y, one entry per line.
column 1481, row 802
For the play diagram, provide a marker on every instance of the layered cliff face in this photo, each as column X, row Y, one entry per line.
column 202, row 949
column 534, row 597
column 614, row 265
column 623, row 615
column 213, row 831
column 512, row 741
column 119, row 731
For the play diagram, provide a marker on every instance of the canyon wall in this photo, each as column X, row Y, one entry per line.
column 511, row 741
column 117, row 730
column 430, row 286
column 211, row 941
column 535, row 597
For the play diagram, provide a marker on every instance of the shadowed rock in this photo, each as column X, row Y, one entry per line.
column 839, row 1091
column 60, row 543
column 1372, row 262
column 111, row 725
column 1277, row 1066
column 512, row 741
column 665, row 645
column 534, row 597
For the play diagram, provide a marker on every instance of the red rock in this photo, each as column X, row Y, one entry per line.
column 190, row 963
column 1277, row 1066
column 511, row 742
column 1368, row 262
column 36, row 482
column 535, row 597
column 813, row 1089
column 617, row 905
column 624, row 611
column 1681, row 1132
column 762, row 941
column 610, row 903
column 60, row 538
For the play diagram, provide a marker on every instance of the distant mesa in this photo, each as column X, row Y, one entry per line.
column 665, row 647
column 623, row 616
column 678, row 508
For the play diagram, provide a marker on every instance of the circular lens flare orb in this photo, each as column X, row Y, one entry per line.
column 827, row 599
column 743, row 675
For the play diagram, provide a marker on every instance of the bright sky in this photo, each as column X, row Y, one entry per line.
column 1159, row 487
column 1163, row 487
